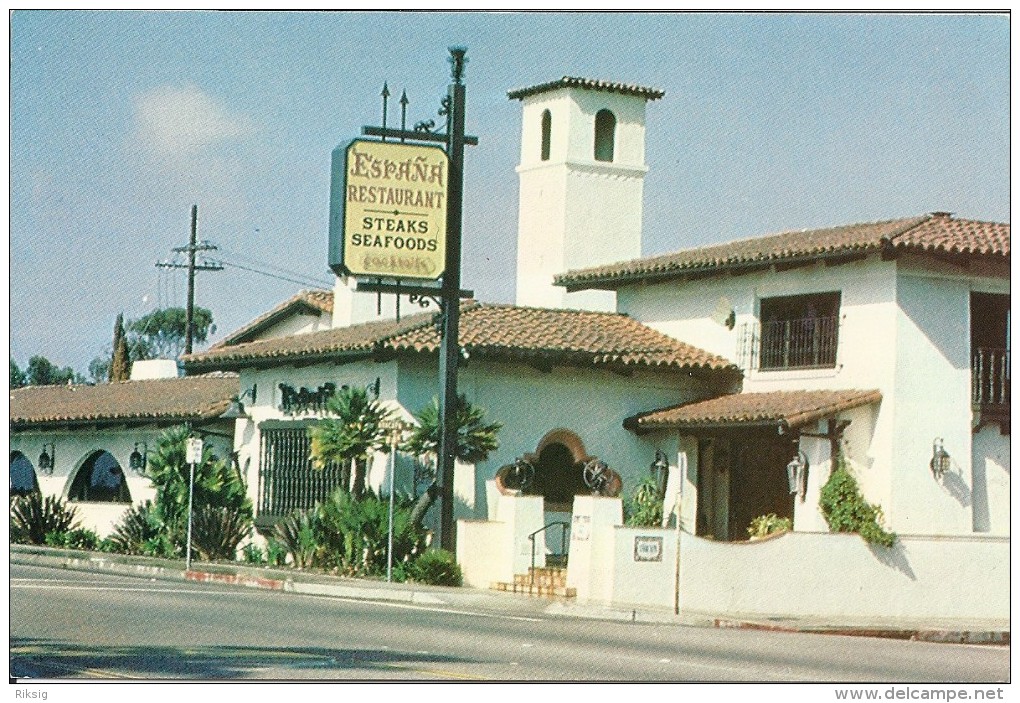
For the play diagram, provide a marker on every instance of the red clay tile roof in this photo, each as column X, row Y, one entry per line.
column 935, row 233
column 315, row 301
column 486, row 330
column 131, row 402
column 787, row 408
column 587, row 84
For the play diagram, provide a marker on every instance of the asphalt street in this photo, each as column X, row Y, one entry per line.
column 68, row 624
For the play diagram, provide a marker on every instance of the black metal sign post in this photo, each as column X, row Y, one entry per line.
column 449, row 292
column 449, row 353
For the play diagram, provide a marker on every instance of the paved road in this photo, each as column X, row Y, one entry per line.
column 87, row 625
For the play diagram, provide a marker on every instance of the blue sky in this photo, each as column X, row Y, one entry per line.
column 120, row 121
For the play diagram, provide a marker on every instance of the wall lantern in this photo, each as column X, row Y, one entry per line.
column 139, row 459
column 47, row 460
column 660, row 472
column 236, row 410
column 796, row 475
column 939, row 459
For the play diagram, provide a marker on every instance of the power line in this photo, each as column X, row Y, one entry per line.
column 267, row 268
column 306, row 282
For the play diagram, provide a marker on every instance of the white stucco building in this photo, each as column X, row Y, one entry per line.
column 88, row 444
column 904, row 324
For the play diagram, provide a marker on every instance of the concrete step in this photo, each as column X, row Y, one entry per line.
column 542, row 576
column 536, row 590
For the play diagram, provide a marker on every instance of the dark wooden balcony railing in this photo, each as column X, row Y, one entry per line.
column 799, row 344
column 990, row 376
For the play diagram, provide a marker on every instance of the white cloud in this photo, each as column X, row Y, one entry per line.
column 175, row 123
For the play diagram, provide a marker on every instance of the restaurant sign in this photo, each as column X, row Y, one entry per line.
column 387, row 210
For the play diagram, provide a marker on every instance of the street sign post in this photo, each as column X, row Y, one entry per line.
column 194, row 456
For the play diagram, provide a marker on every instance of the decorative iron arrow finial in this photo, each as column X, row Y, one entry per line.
column 457, row 61
column 403, row 116
column 385, row 99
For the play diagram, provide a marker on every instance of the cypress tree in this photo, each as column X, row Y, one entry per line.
column 120, row 364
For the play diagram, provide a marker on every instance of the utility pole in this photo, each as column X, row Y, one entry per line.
column 191, row 249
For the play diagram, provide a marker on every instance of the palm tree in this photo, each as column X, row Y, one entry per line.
column 475, row 441
column 350, row 437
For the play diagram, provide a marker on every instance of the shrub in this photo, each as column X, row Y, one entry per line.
column 80, row 538
column 138, row 528
column 297, row 534
column 436, row 567
column 769, row 524
column 352, row 534
column 845, row 509
column 33, row 517
column 276, row 553
column 644, row 508
column 217, row 530
column 253, row 554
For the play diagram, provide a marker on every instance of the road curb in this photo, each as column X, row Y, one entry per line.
column 996, row 637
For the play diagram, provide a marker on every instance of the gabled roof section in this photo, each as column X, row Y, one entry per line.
column 313, row 301
column 130, row 402
column 937, row 233
column 587, row 84
column 789, row 409
column 504, row 332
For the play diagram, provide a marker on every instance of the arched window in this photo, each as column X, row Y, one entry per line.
column 23, row 479
column 100, row 480
column 546, row 134
column 605, row 135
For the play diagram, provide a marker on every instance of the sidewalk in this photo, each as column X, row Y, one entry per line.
column 306, row 583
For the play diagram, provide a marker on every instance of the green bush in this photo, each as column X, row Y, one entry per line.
column 297, row 534
column 33, row 517
column 845, row 509
column 764, row 525
column 138, row 530
column 352, row 534
column 217, row 485
column 80, row 538
column 276, row 553
column 437, row 567
column 253, row 554
column 644, row 507
column 217, row 530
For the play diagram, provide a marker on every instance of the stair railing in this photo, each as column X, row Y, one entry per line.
column 565, row 527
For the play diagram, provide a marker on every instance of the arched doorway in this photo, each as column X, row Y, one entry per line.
column 100, row 480
column 559, row 461
column 23, row 478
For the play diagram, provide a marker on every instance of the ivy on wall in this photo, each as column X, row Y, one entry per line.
column 845, row 509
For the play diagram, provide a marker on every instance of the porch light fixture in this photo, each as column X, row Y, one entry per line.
column 796, row 475
column 660, row 471
column 48, row 459
column 139, row 459
column 236, row 410
column 939, row 459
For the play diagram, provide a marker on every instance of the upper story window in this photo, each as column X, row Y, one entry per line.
column 799, row 331
column 605, row 135
column 546, row 134
column 989, row 350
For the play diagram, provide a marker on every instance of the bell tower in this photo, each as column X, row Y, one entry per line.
column 581, row 175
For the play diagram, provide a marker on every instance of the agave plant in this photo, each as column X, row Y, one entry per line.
column 355, row 431
column 297, row 533
column 33, row 517
column 139, row 526
column 218, row 530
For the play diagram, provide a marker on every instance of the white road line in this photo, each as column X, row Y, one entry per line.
column 427, row 609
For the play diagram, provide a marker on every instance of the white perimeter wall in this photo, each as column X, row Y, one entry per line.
column 823, row 575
